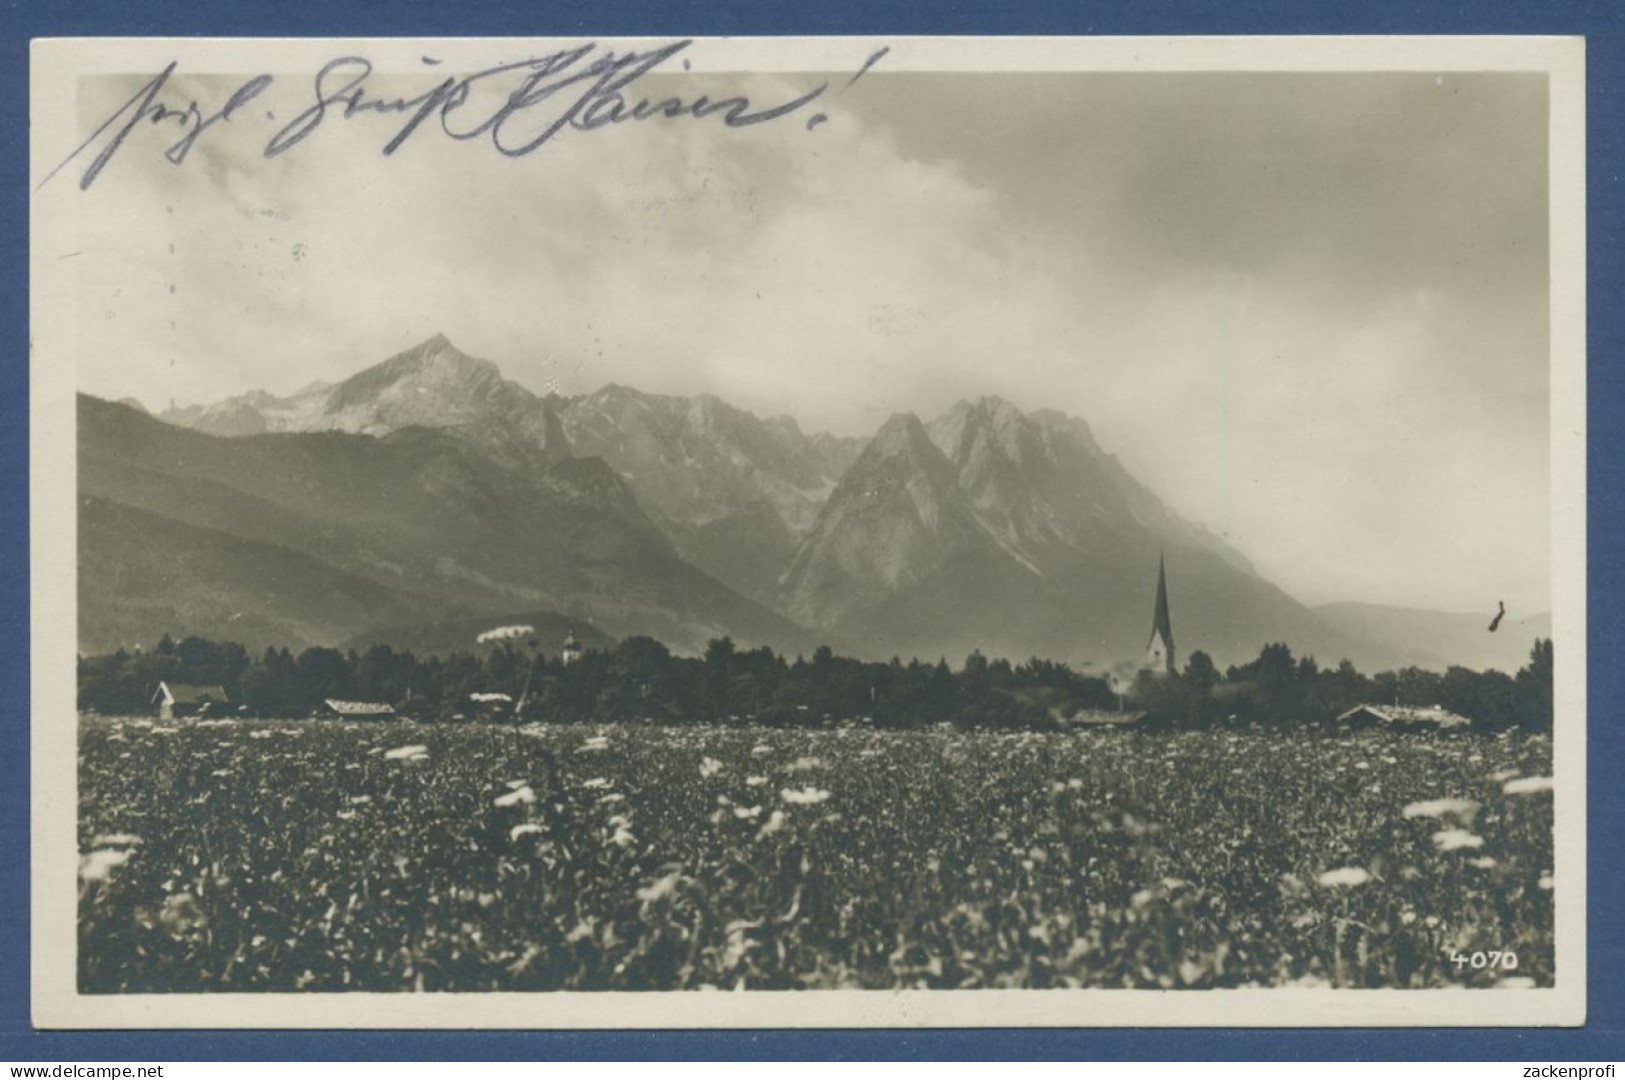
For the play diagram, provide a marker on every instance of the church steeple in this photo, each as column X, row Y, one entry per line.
column 1159, row 651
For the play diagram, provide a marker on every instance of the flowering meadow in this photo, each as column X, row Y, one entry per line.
column 327, row 856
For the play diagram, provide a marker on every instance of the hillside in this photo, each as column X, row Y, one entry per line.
column 143, row 575
column 444, row 636
column 426, row 515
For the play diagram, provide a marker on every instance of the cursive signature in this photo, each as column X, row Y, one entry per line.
column 145, row 108
column 519, row 108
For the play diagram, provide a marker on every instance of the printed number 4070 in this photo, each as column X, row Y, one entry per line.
column 1493, row 960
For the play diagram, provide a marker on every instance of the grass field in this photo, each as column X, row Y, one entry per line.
column 282, row 855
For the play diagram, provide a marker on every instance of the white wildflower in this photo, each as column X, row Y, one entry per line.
column 1456, row 840
column 1462, row 809
column 515, row 797
column 661, row 889
column 622, row 836
column 1345, row 875
column 773, row 825
column 97, row 865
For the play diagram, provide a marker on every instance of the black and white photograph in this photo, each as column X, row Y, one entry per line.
column 528, row 532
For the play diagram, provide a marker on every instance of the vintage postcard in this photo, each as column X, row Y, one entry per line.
column 808, row 532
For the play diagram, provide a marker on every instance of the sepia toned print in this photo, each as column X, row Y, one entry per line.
column 977, row 533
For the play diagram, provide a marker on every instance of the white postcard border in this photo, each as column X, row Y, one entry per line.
column 56, row 64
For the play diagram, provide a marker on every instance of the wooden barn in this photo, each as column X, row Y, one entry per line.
column 334, row 709
column 187, row 699
column 1405, row 718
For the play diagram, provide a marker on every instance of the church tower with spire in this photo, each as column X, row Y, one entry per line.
column 1159, row 652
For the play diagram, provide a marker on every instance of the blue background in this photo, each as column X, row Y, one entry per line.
column 1603, row 24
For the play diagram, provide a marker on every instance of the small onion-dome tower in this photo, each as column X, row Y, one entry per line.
column 572, row 648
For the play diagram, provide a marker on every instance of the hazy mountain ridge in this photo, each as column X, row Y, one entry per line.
column 253, row 413
column 1041, row 480
column 986, row 527
column 1018, row 535
column 1438, row 639
column 426, row 515
column 734, row 492
column 700, row 458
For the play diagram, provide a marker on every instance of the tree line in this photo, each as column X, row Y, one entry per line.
column 1279, row 690
column 640, row 680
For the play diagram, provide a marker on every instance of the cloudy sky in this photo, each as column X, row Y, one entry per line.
column 1308, row 310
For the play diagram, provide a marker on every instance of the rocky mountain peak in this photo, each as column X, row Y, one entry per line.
column 903, row 433
column 1076, row 427
column 432, row 367
column 997, row 411
column 613, row 392
column 967, row 423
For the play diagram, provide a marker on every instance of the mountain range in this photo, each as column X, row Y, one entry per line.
column 428, row 495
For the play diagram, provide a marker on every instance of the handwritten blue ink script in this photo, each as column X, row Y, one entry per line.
column 585, row 88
